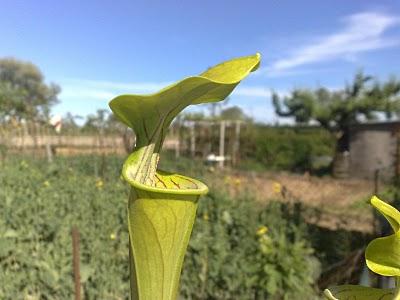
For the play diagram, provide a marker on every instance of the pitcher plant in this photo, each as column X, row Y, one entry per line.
column 162, row 205
column 382, row 256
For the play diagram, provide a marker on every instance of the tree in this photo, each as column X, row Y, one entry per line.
column 194, row 116
column 336, row 111
column 97, row 122
column 69, row 122
column 23, row 92
column 234, row 113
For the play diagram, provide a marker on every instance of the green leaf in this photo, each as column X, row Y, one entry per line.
column 6, row 246
column 389, row 212
column 86, row 272
column 162, row 206
column 150, row 115
column 383, row 254
column 160, row 229
column 10, row 233
column 356, row 292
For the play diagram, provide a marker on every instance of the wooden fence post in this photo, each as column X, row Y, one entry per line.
column 75, row 262
column 236, row 144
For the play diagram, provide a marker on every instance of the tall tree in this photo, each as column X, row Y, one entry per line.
column 336, row 111
column 234, row 113
column 69, row 122
column 23, row 91
column 98, row 121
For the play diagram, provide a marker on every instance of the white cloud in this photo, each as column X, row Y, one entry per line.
column 362, row 32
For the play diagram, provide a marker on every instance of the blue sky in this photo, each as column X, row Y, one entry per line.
column 98, row 49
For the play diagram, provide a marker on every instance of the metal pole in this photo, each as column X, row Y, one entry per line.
column 192, row 140
column 222, row 143
column 75, row 262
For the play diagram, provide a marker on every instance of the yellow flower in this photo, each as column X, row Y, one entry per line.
column 262, row 230
column 46, row 183
column 237, row 181
column 113, row 236
column 277, row 187
column 205, row 217
column 99, row 183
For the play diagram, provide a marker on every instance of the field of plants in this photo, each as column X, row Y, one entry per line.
column 240, row 248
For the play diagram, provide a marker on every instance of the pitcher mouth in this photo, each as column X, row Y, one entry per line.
column 169, row 183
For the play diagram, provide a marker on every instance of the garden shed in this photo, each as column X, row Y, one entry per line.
column 374, row 147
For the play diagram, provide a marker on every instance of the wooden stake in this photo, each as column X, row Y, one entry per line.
column 75, row 262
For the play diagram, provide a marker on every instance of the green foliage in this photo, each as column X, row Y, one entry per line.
column 162, row 206
column 382, row 253
column 39, row 204
column 356, row 292
column 151, row 115
column 340, row 108
column 286, row 148
column 337, row 110
column 23, row 91
column 381, row 256
column 234, row 113
column 241, row 251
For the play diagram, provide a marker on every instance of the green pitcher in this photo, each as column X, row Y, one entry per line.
column 162, row 206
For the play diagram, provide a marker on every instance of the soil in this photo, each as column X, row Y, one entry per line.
column 337, row 203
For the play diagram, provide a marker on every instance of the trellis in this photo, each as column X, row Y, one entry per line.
column 197, row 137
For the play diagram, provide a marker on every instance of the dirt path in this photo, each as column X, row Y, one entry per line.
column 341, row 203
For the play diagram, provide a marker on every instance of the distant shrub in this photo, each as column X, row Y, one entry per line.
column 285, row 148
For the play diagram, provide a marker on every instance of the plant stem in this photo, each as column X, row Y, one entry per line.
column 397, row 290
column 132, row 271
